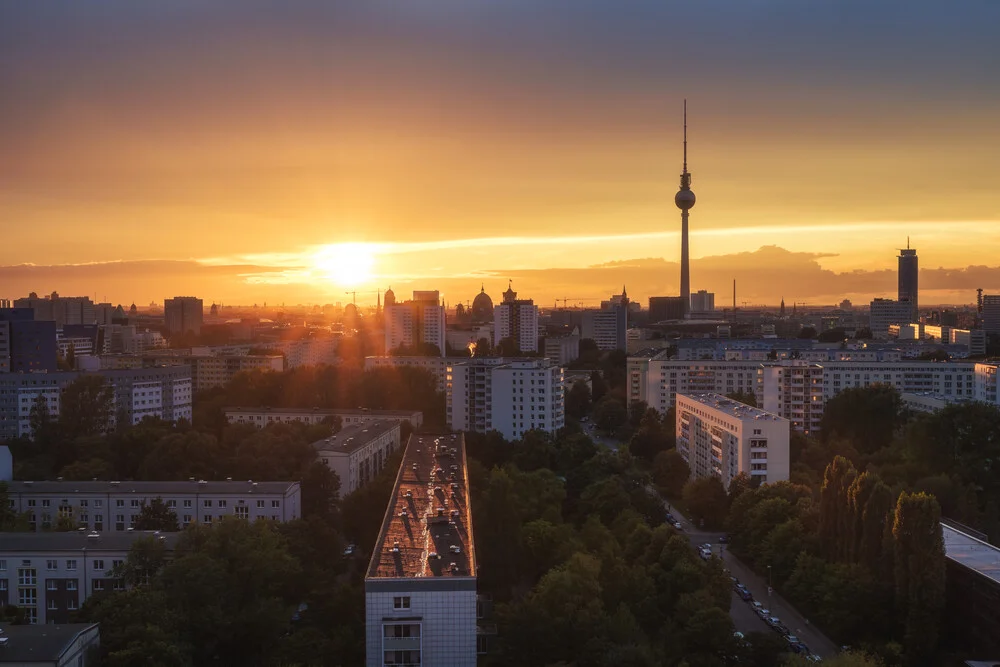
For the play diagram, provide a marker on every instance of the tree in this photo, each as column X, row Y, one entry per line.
column 671, row 472
column 707, row 501
column 85, row 407
column 598, row 386
column 863, row 334
column 832, row 506
column 155, row 515
column 833, row 335
column 858, row 495
column 919, row 569
column 738, row 485
column 807, row 332
column 10, row 521
column 650, row 438
column 320, row 491
column 609, row 414
column 866, row 416
column 873, row 526
column 578, row 400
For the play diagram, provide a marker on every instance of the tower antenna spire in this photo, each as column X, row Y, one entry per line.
column 685, row 135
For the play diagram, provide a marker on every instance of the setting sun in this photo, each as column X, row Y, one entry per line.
column 345, row 264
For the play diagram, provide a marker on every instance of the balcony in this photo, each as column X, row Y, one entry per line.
column 401, row 643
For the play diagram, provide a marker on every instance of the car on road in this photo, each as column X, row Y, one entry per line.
column 724, row 539
column 349, row 550
column 705, row 555
column 678, row 526
column 773, row 621
column 706, row 546
column 812, row 657
column 757, row 607
column 795, row 645
column 763, row 613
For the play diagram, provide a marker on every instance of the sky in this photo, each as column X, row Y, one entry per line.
column 252, row 152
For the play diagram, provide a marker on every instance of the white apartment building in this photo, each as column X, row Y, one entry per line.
column 113, row 507
column 438, row 366
column 888, row 311
column 563, row 349
column 163, row 392
column 518, row 319
column 411, row 323
column 207, row 370
column 511, row 396
column 796, row 389
column 720, row 437
column 420, row 589
column 49, row 575
column 358, row 452
column 263, row 416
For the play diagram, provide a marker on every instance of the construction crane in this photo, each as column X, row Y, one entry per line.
column 566, row 299
column 354, row 295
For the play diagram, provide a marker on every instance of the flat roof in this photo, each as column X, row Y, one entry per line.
column 39, row 643
column 731, row 407
column 971, row 552
column 322, row 411
column 427, row 529
column 75, row 540
column 355, row 436
column 145, row 488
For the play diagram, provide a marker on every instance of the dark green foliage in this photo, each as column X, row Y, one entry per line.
column 867, row 416
column 650, row 437
column 578, row 400
column 609, row 413
column 156, row 516
column 748, row 398
column 706, row 501
column 671, row 472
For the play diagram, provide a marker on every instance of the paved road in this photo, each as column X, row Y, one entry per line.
column 744, row 619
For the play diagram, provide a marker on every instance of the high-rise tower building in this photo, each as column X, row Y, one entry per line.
column 908, row 277
column 685, row 201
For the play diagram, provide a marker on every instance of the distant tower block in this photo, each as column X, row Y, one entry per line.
column 908, row 279
column 685, row 201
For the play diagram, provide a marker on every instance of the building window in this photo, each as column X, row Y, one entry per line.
column 222, row 503
column 260, row 504
column 207, row 519
column 71, row 585
column 98, row 585
column 187, row 503
column 275, row 504
column 207, row 503
column 171, row 504
column 187, row 520
column 27, row 576
column 3, row 565
column 401, row 602
column 84, row 503
column 46, row 503
column 51, row 585
column 51, row 565
column 99, row 564
column 243, row 512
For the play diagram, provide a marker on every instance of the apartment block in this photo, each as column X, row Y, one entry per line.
column 261, row 417
column 721, row 437
column 357, row 453
column 113, row 507
column 511, row 396
column 50, row 575
column 184, row 314
column 411, row 323
column 420, row 589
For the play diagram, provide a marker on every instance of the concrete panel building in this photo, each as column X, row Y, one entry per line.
column 438, row 366
column 49, row 645
column 516, row 319
column 412, row 323
column 50, row 575
column 420, row 589
column 113, row 507
column 261, row 417
column 27, row 345
column 721, row 437
column 357, row 453
column 184, row 314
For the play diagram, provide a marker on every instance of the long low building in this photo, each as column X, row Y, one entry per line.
column 163, row 392
column 798, row 389
column 49, row 645
column 358, row 452
column 973, row 590
column 262, row 416
column 720, row 437
column 437, row 366
column 420, row 590
column 113, row 507
column 49, row 575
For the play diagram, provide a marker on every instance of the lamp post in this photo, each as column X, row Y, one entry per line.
column 770, row 580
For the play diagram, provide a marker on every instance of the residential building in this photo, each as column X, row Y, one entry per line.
column 263, row 416
column 49, row 645
column 357, row 453
column 162, row 392
column 885, row 312
column 416, row 322
column 420, row 589
column 207, row 370
column 511, row 396
column 184, row 314
column 973, row 339
column 307, row 351
column 925, row 403
column 666, row 308
column 112, row 507
column 972, row 593
column 909, row 280
column 438, row 366
column 563, row 349
column 797, row 389
column 516, row 319
column 51, row 574
column 62, row 310
column 721, row 437
column 991, row 314
column 703, row 302
column 607, row 327
column 27, row 345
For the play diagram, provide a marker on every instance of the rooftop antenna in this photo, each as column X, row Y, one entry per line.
column 907, row 242
column 685, row 136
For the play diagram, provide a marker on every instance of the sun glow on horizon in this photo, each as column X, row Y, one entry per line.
column 345, row 264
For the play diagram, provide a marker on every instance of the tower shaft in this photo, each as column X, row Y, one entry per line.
column 685, row 264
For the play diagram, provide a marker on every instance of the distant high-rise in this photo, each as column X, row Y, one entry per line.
column 183, row 314
column 27, row 345
column 416, row 322
column 516, row 319
column 908, row 274
column 685, row 201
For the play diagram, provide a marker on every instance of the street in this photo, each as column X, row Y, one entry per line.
column 744, row 618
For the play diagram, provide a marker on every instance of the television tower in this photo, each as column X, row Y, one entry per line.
column 685, row 200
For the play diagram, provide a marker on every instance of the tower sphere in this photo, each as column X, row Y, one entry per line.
column 684, row 199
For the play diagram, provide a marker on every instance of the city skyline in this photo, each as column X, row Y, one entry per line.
column 417, row 148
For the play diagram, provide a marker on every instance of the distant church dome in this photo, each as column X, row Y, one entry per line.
column 132, row 309
column 389, row 299
column 482, row 306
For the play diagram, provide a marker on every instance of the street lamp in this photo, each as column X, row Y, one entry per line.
column 770, row 581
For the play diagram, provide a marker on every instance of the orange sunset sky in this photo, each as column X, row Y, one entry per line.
column 288, row 152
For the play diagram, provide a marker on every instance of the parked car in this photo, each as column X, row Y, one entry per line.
column 678, row 526
column 773, row 621
column 349, row 550
column 724, row 539
column 706, row 546
column 812, row 657
column 757, row 607
column 763, row 613
column 745, row 594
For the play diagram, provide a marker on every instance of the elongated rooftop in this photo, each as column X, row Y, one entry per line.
column 427, row 529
